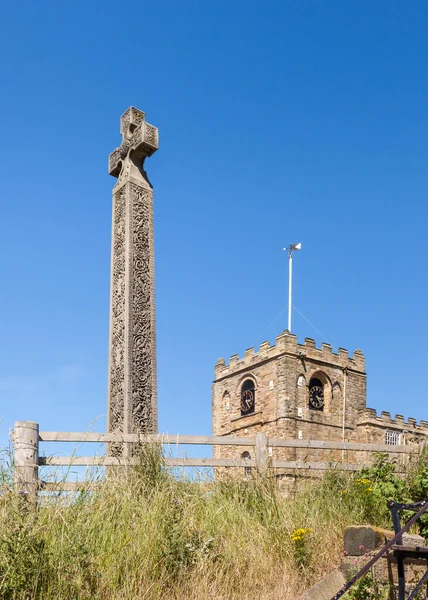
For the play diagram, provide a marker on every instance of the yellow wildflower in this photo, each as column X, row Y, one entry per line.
column 365, row 482
column 299, row 534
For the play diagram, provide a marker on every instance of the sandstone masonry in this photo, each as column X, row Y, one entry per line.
column 299, row 391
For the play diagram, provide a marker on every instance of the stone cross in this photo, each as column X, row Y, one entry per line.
column 132, row 391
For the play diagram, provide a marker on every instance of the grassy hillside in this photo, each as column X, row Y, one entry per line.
column 153, row 536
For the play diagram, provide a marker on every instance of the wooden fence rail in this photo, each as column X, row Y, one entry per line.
column 27, row 460
column 217, row 440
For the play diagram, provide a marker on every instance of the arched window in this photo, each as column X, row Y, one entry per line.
column 226, row 400
column 248, row 397
column 246, row 456
column 316, row 394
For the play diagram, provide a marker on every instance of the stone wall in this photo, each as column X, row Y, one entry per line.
column 380, row 429
column 281, row 374
column 373, row 427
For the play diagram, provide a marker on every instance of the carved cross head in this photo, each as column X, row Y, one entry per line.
column 139, row 140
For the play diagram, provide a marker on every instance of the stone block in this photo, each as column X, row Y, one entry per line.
column 365, row 538
column 326, row 588
column 264, row 347
column 385, row 570
column 343, row 355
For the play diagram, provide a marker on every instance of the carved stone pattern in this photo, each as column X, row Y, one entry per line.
column 124, row 173
column 143, row 332
column 124, row 149
column 132, row 359
column 138, row 116
column 124, row 124
column 150, row 135
column 117, row 348
column 137, row 137
column 114, row 158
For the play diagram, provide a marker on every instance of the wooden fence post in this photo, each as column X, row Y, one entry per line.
column 26, row 456
column 261, row 453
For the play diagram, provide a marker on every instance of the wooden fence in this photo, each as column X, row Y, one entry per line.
column 27, row 459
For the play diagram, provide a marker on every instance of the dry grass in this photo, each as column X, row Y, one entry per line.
column 153, row 536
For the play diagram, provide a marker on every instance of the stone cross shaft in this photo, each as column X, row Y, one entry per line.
column 132, row 391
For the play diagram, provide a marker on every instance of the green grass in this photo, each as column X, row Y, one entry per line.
column 148, row 535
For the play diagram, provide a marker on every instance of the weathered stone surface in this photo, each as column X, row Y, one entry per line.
column 281, row 374
column 362, row 542
column 385, row 570
column 132, row 393
column 326, row 588
column 361, row 539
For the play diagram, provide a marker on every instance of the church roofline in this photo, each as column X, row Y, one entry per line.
column 286, row 343
column 369, row 416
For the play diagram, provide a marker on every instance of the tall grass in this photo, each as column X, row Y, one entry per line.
column 148, row 535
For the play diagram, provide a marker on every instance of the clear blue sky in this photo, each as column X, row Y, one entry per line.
column 279, row 121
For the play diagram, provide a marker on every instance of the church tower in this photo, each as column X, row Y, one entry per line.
column 289, row 391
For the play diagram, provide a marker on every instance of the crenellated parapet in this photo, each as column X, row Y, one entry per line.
column 369, row 416
column 287, row 344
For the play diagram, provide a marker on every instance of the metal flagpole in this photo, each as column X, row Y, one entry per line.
column 290, row 285
column 291, row 249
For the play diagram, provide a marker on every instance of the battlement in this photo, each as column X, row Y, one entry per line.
column 369, row 416
column 286, row 343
